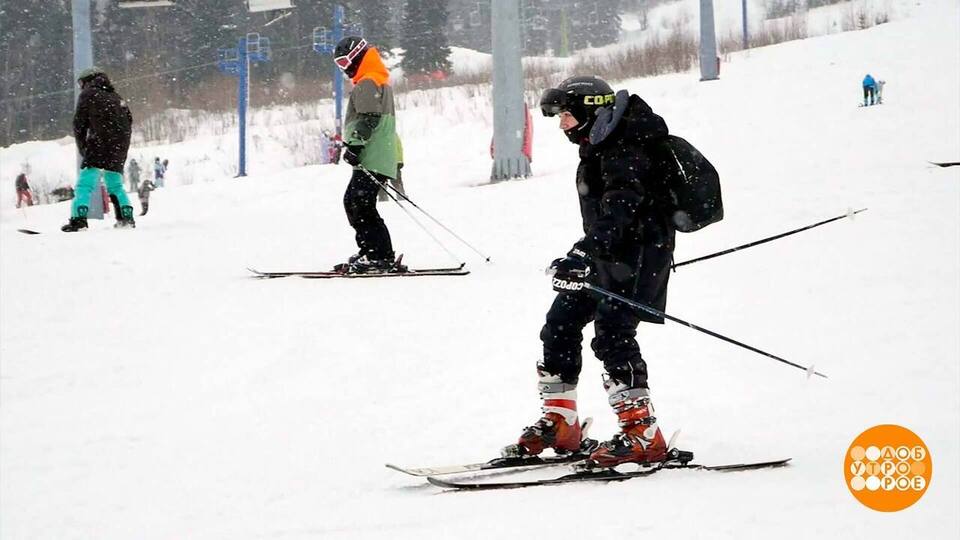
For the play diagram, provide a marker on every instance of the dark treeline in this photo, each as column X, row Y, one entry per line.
column 165, row 57
column 158, row 58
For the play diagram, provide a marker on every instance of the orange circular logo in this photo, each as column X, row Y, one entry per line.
column 888, row 468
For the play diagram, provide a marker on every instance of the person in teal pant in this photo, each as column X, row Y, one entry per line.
column 102, row 124
column 869, row 90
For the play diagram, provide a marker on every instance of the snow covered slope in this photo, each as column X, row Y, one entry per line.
column 150, row 390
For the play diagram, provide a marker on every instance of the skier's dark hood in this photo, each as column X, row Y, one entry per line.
column 629, row 117
column 98, row 80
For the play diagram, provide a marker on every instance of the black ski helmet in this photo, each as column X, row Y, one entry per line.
column 349, row 53
column 581, row 96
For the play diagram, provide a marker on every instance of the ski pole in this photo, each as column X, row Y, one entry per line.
column 415, row 220
column 388, row 187
column 849, row 214
column 653, row 311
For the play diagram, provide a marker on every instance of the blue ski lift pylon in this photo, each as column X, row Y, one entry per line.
column 236, row 61
column 322, row 40
column 264, row 52
column 253, row 42
column 228, row 54
column 258, row 47
column 228, row 60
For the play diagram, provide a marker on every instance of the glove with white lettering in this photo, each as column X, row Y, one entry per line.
column 571, row 272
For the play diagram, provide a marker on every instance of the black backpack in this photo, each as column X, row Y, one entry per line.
column 690, row 194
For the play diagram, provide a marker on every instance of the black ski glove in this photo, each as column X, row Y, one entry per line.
column 571, row 272
column 352, row 155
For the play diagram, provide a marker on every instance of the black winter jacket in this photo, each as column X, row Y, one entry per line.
column 618, row 183
column 102, row 125
column 626, row 231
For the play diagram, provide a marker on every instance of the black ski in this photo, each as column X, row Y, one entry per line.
column 604, row 475
column 412, row 272
column 529, row 462
column 28, row 231
column 587, row 445
column 945, row 163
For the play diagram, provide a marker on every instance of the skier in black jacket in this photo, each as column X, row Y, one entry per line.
column 627, row 249
column 101, row 128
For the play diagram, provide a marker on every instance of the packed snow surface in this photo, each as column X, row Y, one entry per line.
column 152, row 390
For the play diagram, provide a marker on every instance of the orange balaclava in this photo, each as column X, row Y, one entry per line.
column 371, row 67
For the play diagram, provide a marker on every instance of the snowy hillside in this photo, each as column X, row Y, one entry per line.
column 728, row 16
column 149, row 389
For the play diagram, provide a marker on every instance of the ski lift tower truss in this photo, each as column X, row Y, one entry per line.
column 235, row 61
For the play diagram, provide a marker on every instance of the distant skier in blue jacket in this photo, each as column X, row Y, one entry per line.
column 869, row 90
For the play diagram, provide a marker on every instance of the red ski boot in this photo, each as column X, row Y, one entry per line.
column 640, row 439
column 558, row 429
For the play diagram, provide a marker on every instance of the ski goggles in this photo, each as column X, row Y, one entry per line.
column 553, row 101
column 343, row 62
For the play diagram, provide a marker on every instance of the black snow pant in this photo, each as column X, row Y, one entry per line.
column 868, row 91
column 615, row 323
column 360, row 202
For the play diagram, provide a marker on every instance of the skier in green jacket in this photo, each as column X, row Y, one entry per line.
column 397, row 182
column 370, row 139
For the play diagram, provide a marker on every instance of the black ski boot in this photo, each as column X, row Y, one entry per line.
column 343, row 267
column 364, row 264
column 125, row 219
column 75, row 224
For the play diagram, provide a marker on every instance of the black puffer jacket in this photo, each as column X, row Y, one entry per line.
column 101, row 126
column 626, row 231
column 618, row 183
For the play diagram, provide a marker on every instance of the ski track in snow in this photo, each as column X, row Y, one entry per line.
column 151, row 390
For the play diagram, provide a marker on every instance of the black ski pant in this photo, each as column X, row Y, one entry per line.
column 868, row 91
column 360, row 202
column 615, row 323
